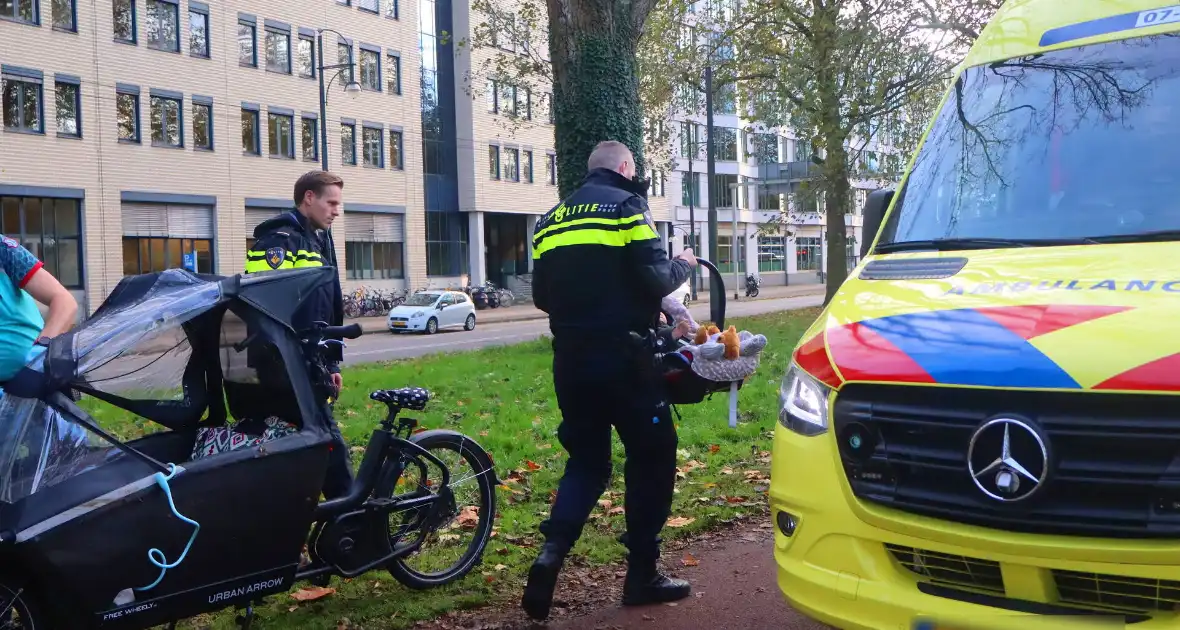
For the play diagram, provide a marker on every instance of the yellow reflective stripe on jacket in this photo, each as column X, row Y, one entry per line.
column 594, row 236
column 256, row 260
column 586, row 221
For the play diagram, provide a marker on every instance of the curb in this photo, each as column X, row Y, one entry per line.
column 377, row 324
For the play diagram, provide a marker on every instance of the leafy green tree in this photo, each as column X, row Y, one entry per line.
column 845, row 72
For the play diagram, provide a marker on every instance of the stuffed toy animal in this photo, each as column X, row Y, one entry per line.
column 703, row 334
column 732, row 343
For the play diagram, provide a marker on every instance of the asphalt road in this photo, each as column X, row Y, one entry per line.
column 382, row 346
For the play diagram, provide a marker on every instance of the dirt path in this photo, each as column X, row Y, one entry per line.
column 733, row 578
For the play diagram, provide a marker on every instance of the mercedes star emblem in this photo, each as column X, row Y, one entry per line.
column 1008, row 459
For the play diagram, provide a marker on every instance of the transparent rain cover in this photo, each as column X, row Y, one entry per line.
column 138, row 351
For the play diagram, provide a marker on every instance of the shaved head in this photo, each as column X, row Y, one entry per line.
column 615, row 156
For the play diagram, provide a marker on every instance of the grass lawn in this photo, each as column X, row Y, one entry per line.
column 503, row 397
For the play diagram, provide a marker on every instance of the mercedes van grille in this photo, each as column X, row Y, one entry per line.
column 1114, row 459
column 950, row 570
column 1117, row 592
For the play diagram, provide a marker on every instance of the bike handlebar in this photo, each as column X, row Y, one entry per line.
column 351, row 331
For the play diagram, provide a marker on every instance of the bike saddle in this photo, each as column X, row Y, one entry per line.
column 412, row 398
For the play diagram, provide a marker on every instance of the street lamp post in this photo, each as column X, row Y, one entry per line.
column 353, row 88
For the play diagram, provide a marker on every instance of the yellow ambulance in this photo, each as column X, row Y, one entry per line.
column 982, row 429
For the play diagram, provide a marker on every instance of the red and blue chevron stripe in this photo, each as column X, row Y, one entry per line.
column 984, row 347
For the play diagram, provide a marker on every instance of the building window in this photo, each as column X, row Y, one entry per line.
column 807, row 253
column 19, row 10
column 374, row 261
column 657, row 183
column 512, row 165
column 151, row 255
column 725, row 143
column 549, row 108
column 391, row 10
column 69, row 121
column 127, row 116
column 551, row 169
column 506, row 100
column 124, row 23
column 690, row 189
column 203, row 126
column 311, row 151
column 494, row 161
column 278, row 51
column 373, row 6
column 372, row 139
column 22, row 104
column 247, row 56
column 198, row 33
column 396, row 151
column 280, row 131
column 65, row 15
column 344, row 56
column 722, row 190
column 305, row 56
column 524, row 103
column 163, row 26
column 348, row 144
column 250, row 139
column 166, row 123
column 526, row 165
column 728, row 256
column 393, row 73
column 51, row 230
column 490, row 93
column 370, row 70
column 446, row 243
column 772, row 253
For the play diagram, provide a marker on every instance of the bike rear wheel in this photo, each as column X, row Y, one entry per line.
column 18, row 610
column 452, row 541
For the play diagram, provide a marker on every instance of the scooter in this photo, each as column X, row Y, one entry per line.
column 752, row 283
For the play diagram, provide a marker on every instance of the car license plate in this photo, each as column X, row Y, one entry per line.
column 399, row 324
column 927, row 624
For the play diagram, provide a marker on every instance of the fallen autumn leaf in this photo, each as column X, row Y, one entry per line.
column 689, row 561
column 312, row 594
column 680, row 521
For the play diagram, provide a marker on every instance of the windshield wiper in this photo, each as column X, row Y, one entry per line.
column 1142, row 237
column 951, row 244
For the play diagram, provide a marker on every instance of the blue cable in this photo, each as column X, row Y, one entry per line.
column 162, row 480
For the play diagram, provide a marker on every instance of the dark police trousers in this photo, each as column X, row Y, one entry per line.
column 338, row 478
column 599, row 387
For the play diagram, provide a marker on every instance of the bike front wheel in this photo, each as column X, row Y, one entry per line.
column 450, row 540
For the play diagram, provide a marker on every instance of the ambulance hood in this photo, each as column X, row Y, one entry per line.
column 1099, row 317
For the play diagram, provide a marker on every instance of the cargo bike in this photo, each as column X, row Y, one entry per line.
column 206, row 494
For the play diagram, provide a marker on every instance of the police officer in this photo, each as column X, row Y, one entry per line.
column 297, row 239
column 605, row 231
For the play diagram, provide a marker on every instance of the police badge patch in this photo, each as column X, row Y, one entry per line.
column 9, row 242
column 275, row 257
column 648, row 218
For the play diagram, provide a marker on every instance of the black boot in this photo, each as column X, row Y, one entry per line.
column 538, row 592
column 646, row 585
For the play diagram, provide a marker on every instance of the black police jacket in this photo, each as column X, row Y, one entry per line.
column 599, row 265
column 288, row 241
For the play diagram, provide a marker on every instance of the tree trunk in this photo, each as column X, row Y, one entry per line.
column 592, row 46
column 836, row 189
column 824, row 35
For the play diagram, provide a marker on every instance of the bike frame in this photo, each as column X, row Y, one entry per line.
column 385, row 447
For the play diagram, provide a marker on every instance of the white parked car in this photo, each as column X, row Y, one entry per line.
column 683, row 293
column 431, row 311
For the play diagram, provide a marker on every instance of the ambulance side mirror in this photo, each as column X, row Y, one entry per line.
column 874, row 213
